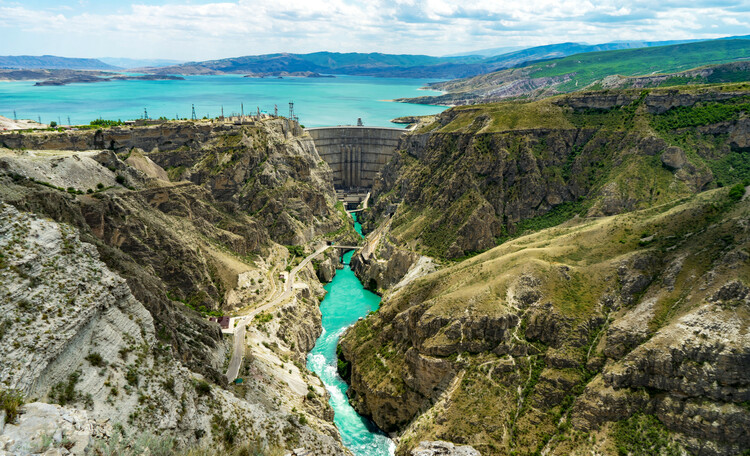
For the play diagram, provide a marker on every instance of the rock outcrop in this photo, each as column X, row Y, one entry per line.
column 480, row 175
column 75, row 335
column 589, row 327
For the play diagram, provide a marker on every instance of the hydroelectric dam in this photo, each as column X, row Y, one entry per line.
column 355, row 154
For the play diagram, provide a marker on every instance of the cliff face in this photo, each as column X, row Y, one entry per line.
column 621, row 333
column 202, row 242
column 263, row 169
column 74, row 334
column 480, row 175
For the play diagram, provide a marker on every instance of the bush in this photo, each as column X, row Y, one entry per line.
column 120, row 179
column 53, row 124
column 65, row 392
column 95, row 359
column 737, row 192
column 203, row 388
column 10, row 402
column 132, row 376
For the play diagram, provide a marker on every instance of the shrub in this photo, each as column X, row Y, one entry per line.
column 95, row 359
column 10, row 402
column 132, row 376
column 203, row 388
column 120, row 179
column 737, row 192
column 65, row 392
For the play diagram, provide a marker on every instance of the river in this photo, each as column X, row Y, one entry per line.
column 345, row 303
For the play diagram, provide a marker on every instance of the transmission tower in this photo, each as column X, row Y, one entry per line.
column 222, row 112
column 145, row 114
column 291, row 110
column 275, row 111
column 242, row 109
column 194, row 117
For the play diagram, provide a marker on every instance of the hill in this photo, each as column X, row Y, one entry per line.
column 587, row 70
column 52, row 62
column 371, row 64
column 591, row 293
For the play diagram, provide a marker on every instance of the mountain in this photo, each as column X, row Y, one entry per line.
column 122, row 62
column 588, row 70
column 372, row 64
column 52, row 62
column 488, row 52
column 563, row 276
column 119, row 254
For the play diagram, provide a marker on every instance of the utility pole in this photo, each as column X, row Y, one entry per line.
column 291, row 110
column 194, row 117
column 40, row 118
column 59, row 122
column 68, row 120
column 15, row 117
column 275, row 111
column 242, row 109
column 145, row 114
column 222, row 112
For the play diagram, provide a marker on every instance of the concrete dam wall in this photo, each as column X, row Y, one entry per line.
column 355, row 154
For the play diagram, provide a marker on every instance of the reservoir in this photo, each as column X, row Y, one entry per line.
column 345, row 303
column 318, row 102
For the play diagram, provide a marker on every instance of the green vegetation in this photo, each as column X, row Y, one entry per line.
column 95, row 359
column 594, row 66
column 10, row 403
column 64, row 393
column 202, row 388
column 701, row 114
column 557, row 215
column 105, row 123
column 296, row 251
column 644, row 435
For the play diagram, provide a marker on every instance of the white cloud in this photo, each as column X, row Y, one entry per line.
column 229, row 28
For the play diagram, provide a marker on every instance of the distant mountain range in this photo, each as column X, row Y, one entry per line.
column 361, row 64
column 389, row 65
column 122, row 62
column 713, row 61
column 52, row 62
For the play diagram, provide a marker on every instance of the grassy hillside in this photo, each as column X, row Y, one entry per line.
column 600, row 336
column 480, row 175
column 577, row 72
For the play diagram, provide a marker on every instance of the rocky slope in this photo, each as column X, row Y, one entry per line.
column 74, row 334
column 676, row 64
column 202, row 242
column 478, row 176
column 622, row 334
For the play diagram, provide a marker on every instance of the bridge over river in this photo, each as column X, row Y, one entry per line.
column 355, row 154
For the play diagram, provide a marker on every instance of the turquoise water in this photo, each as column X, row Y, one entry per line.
column 357, row 226
column 346, row 302
column 317, row 101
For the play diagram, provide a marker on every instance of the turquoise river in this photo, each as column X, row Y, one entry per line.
column 317, row 101
column 345, row 303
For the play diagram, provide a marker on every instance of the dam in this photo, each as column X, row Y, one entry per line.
column 355, row 154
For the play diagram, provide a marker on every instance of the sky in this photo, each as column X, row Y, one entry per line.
column 201, row 29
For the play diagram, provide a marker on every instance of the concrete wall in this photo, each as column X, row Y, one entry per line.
column 355, row 154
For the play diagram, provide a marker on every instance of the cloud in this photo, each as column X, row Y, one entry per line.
column 202, row 30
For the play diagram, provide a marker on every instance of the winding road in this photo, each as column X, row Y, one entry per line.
column 238, row 349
